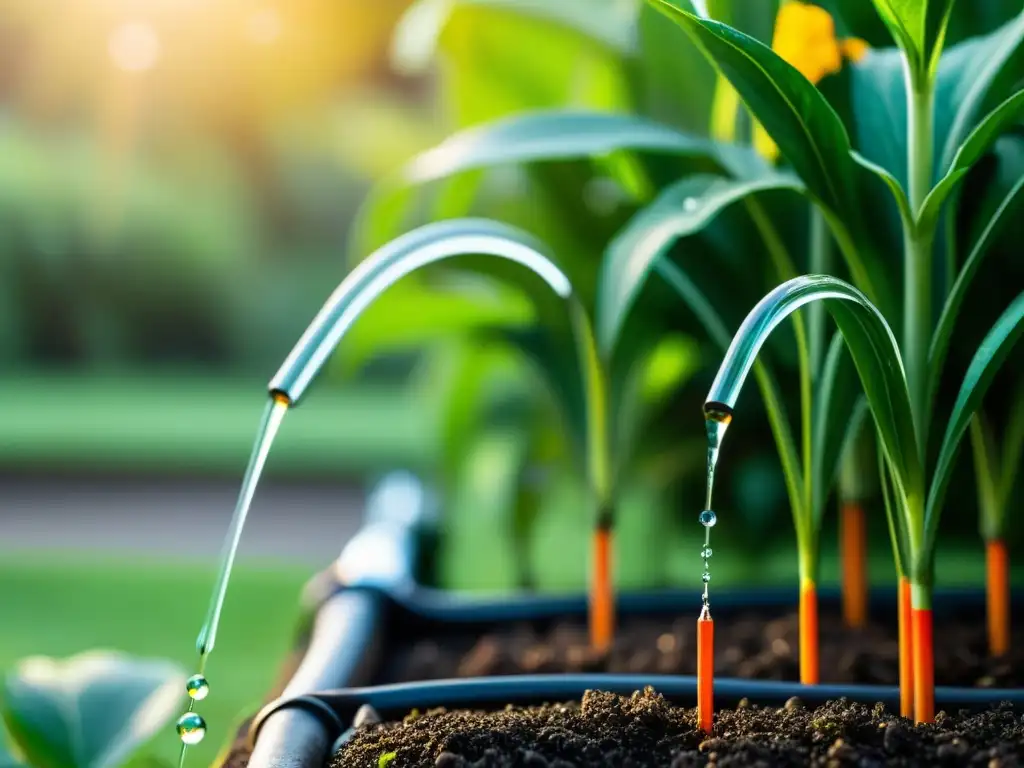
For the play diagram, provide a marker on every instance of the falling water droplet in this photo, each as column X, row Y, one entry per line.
column 198, row 688
column 191, row 728
column 708, row 519
column 706, row 576
column 706, row 552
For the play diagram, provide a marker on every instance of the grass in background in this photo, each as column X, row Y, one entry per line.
column 206, row 425
column 54, row 607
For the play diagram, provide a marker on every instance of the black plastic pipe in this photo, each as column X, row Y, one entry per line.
column 347, row 629
column 340, row 653
column 335, row 710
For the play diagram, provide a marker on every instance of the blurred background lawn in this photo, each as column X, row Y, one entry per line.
column 177, row 179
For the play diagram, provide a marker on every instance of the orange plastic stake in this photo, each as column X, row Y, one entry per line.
column 808, row 632
column 924, row 666
column 705, row 671
column 853, row 546
column 602, row 598
column 906, row 650
column 998, row 597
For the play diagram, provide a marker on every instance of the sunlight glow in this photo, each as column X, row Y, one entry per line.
column 264, row 26
column 134, row 46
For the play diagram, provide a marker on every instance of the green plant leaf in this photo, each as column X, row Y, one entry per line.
column 918, row 26
column 799, row 119
column 91, row 710
column 1013, row 449
column 898, row 194
column 966, row 76
column 878, row 95
column 985, row 473
column 974, row 147
column 896, row 523
column 681, row 210
column 951, row 309
column 808, row 132
column 991, row 354
column 857, row 478
column 532, row 137
column 835, row 414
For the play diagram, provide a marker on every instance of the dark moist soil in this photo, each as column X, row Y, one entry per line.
column 751, row 645
column 644, row 730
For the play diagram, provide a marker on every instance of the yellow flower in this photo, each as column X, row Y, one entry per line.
column 805, row 37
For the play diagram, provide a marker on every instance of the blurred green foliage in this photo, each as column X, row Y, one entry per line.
column 611, row 57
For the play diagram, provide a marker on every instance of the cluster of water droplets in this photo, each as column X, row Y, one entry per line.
column 717, row 417
column 191, row 726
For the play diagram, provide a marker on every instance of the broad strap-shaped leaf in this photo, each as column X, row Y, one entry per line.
column 992, row 353
column 918, row 26
column 896, row 522
column 92, row 710
column 798, row 118
column 875, row 355
column 1010, row 206
column 971, row 151
column 964, row 81
column 531, row 137
column 681, row 210
column 808, row 132
column 857, row 476
column 835, row 410
column 1013, row 447
column 899, row 196
column 986, row 470
column 878, row 100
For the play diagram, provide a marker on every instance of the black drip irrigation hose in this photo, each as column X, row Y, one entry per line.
column 340, row 653
column 330, row 714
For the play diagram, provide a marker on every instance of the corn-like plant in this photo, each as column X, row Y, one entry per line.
column 690, row 185
column 953, row 114
column 996, row 472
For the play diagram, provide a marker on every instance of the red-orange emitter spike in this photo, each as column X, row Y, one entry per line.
column 602, row 596
column 997, row 587
column 808, row 632
column 924, row 665
column 906, row 635
column 705, row 671
column 853, row 546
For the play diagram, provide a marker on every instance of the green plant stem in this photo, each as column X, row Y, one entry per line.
column 598, row 449
column 917, row 283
